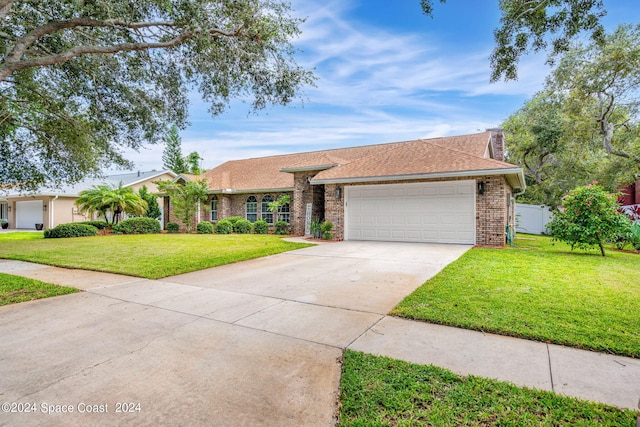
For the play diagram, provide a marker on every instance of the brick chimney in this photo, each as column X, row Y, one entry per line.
column 497, row 143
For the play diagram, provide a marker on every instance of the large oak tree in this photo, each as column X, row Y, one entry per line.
column 532, row 25
column 81, row 80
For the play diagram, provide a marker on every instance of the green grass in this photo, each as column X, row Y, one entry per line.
column 18, row 289
column 152, row 256
column 378, row 391
column 538, row 291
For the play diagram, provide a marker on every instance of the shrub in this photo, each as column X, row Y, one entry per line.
column 140, row 225
column 224, row 226
column 281, row 227
column 99, row 224
column 260, row 227
column 173, row 227
column 630, row 236
column 589, row 218
column 204, row 227
column 326, row 228
column 71, row 230
column 314, row 227
column 242, row 226
column 234, row 219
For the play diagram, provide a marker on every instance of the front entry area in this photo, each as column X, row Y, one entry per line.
column 432, row 212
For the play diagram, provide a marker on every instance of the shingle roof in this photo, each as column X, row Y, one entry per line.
column 424, row 156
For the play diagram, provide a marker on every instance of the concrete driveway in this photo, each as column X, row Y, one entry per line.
column 253, row 343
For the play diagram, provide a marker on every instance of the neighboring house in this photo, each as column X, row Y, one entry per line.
column 450, row 190
column 51, row 206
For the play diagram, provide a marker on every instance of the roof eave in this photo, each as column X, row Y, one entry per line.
column 514, row 176
column 249, row 191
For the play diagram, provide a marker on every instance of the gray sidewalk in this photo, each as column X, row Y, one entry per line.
column 589, row 375
column 323, row 327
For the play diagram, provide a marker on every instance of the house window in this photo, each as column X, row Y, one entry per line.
column 252, row 208
column 214, row 208
column 266, row 213
column 283, row 213
column 3, row 211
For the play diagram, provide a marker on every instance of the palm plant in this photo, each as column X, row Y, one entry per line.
column 117, row 200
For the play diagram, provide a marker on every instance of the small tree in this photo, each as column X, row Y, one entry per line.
column 172, row 155
column 117, row 200
column 185, row 199
column 590, row 217
column 153, row 210
column 274, row 207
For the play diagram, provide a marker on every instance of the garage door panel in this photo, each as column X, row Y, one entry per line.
column 425, row 212
column 28, row 214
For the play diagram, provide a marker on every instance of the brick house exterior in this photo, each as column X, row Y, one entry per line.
column 322, row 179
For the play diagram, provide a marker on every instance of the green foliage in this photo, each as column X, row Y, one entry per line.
column 260, row 227
column 380, row 391
column 529, row 26
column 315, row 228
column 603, row 83
column 173, row 227
column 630, row 236
column 106, row 199
column 70, row 230
column 140, row 225
column 75, row 96
column 204, row 227
column 243, row 226
column 153, row 210
column 100, row 225
column 224, row 226
column 192, row 161
column 589, row 218
column 172, row 155
column 276, row 206
column 234, row 219
column 185, row 199
column 281, row 227
column 326, row 228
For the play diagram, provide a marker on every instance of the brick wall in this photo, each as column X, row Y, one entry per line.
column 497, row 140
column 491, row 208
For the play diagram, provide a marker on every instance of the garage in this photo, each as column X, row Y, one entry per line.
column 436, row 212
column 28, row 214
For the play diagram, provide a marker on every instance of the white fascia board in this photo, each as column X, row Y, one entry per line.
column 309, row 168
column 483, row 172
column 261, row 190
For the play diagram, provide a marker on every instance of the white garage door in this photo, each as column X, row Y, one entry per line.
column 439, row 212
column 28, row 214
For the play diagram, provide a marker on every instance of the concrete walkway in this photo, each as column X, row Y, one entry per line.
column 257, row 342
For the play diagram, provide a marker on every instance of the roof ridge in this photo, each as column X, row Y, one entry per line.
column 328, row 150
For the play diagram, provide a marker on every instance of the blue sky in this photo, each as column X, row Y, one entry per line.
column 386, row 73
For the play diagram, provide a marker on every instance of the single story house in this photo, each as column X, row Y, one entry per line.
column 53, row 206
column 454, row 189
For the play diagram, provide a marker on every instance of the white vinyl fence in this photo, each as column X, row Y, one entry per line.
column 532, row 219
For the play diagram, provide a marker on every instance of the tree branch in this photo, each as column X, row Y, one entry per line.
column 5, row 7
column 13, row 63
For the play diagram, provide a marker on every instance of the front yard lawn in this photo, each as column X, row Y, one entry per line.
column 378, row 391
column 540, row 291
column 152, row 256
column 18, row 289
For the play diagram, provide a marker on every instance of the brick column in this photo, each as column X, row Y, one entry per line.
column 491, row 212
